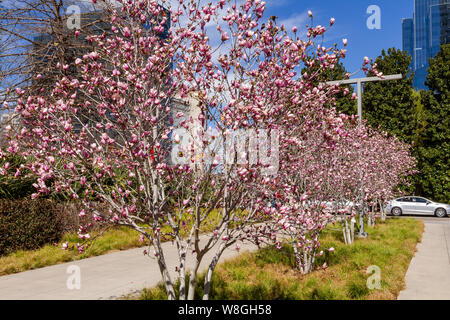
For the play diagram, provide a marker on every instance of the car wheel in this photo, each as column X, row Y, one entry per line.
column 396, row 211
column 441, row 213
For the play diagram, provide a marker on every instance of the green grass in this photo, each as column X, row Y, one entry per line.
column 270, row 273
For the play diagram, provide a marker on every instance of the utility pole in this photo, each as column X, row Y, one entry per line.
column 359, row 82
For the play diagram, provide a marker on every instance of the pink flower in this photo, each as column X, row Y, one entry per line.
column 126, row 32
column 94, row 55
column 84, row 236
column 225, row 36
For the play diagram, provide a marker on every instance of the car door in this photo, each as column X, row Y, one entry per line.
column 407, row 205
column 419, row 205
column 427, row 206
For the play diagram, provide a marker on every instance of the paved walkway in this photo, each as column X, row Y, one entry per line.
column 104, row 277
column 428, row 276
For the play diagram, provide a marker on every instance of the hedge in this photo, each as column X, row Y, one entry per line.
column 29, row 224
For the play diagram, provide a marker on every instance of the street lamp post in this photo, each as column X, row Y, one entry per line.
column 359, row 82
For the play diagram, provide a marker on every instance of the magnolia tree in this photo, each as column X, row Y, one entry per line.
column 388, row 162
column 306, row 176
column 328, row 171
column 368, row 167
column 344, row 175
column 104, row 135
column 310, row 139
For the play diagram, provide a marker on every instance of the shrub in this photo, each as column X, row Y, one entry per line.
column 29, row 224
column 15, row 188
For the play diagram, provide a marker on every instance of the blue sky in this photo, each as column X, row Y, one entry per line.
column 351, row 18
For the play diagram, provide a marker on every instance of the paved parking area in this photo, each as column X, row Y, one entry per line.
column 428, row 276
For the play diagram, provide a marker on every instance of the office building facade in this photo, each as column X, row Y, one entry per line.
column 424, row 34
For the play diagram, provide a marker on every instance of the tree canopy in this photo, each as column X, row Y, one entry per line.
column 390, row 104
column 433, row 148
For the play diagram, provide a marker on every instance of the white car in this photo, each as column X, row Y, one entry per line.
column 417, row 205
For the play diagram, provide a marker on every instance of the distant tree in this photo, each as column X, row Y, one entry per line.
column 343, row 100
column 433, row 138
column 36, row 36
column 390, row 104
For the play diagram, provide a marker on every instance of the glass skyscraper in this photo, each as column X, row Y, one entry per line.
column 423, row 35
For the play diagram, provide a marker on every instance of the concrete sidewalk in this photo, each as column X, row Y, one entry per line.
column 104, row 277
column 428, row 276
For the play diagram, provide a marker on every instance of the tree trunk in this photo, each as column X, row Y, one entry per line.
column 182, row 275
column 168, row 284
column 345, row 231
column 383, row 212
column 209, row 273
column 193, row 279
column 352, row 230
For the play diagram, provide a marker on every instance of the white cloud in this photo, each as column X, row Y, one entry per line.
column 298, row 20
